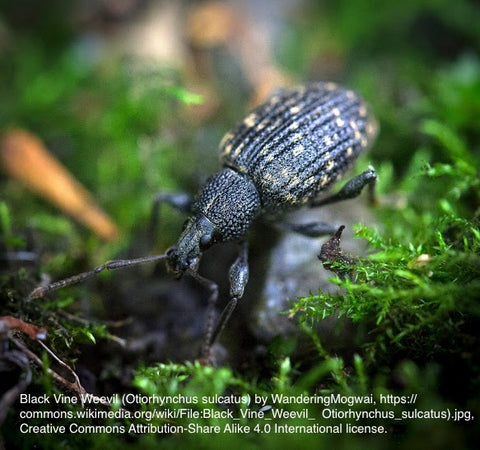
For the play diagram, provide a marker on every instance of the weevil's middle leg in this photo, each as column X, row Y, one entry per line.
column 238, row 276
column 212, row 287
column 178, row 200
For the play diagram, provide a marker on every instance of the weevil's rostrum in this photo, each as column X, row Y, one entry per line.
column 299, row 142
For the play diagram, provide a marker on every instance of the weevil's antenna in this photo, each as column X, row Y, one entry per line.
column 40, row 291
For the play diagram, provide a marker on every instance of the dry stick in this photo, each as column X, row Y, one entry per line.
column 75, row 387
column 80, row 389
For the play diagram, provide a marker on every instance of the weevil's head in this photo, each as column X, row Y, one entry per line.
column 198, row 235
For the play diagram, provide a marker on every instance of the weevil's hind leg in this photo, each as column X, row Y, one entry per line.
column 178, row 200
column 352, row 189
column 41, row 291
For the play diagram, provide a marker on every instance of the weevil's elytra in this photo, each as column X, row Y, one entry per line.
column 282, row 155
column 315, row 132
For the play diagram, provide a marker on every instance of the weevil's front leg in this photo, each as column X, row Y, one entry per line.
column 212, row 287
column 352, row 189
column 40, row 291
column 178, row 200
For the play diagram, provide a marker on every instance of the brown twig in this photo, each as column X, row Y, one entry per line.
column 75, row 386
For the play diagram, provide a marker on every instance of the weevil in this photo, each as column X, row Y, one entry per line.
column 285, row 154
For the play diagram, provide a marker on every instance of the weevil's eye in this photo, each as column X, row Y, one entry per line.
column 206, row 241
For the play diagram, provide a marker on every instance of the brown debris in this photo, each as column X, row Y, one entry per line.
column 25, row 158
column 333, row 258
column 32, row 331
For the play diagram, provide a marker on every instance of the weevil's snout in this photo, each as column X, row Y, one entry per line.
column 178, row 262
column 196, row 237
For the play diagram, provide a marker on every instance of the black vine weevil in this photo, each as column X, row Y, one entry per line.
column 285, row 154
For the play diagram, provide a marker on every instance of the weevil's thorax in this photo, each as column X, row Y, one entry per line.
column 299, row 142
column 222, row 212
column 230, row 201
